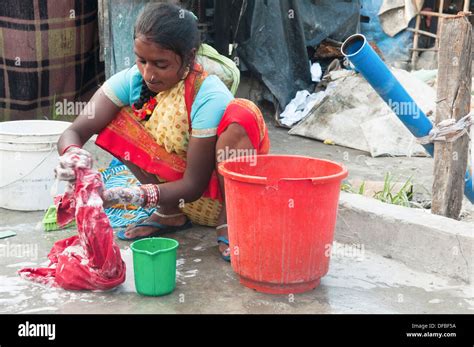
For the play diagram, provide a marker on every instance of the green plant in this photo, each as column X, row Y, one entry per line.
column 403, row 197
column 348, row 188
column 54, row 114
column 362, row 188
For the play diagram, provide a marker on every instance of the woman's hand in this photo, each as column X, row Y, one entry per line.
column 126, row 196
column 74, row 157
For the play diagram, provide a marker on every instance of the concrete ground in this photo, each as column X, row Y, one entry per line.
column 357, row 282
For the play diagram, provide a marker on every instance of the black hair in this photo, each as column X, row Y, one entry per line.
column 173, row 28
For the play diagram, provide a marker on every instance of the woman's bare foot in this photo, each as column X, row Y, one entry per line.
column 224, row 249
column 222, row 231
column 133, row 232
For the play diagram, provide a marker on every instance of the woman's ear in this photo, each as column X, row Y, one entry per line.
column 192, row 56
column 189, row 63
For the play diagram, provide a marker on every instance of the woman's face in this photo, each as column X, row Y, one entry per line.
column 160, row 68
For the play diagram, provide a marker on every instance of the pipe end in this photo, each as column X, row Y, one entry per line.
column 353, row 45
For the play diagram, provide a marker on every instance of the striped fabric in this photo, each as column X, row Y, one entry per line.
column 49, row 52
column 120, row 176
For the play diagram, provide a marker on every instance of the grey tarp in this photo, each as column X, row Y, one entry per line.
column 273, row 36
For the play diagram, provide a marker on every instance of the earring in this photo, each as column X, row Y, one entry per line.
column 186, row 72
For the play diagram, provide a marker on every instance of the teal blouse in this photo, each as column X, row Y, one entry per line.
column 123, row 89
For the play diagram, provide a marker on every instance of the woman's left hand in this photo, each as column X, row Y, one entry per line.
column 126, row 196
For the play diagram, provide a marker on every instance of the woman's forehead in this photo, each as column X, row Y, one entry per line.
column 152, row 51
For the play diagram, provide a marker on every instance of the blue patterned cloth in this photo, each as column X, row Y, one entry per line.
column 118, row 175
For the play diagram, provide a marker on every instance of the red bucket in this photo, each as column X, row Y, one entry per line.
column 281, row 212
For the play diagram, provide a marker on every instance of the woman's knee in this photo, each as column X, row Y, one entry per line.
column 142, row 176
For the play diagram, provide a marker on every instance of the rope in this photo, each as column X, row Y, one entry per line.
column 448, row 130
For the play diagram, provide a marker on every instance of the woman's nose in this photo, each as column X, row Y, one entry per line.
column 147, row 73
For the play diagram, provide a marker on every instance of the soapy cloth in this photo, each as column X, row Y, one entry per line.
column 90, row 260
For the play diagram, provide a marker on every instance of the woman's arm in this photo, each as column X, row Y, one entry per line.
column 200, row 164
column 99, row 112
column 201, row 161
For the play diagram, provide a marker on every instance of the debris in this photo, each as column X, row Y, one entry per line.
column 5, row 234
column 427, row 76
column 335, row 75
column 328, row 50
column 395, row 15
column 316, row 72
column 300, row 106
column 353, row 115
column 334, row 65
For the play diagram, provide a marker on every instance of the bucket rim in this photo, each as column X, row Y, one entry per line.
column 7, row 133
column 349, row 41
column 142, row 251
column 265, row 181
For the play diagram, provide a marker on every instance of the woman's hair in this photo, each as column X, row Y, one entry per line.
column 171, row 27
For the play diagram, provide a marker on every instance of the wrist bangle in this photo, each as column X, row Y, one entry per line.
column 68, row 147
column 152, row 194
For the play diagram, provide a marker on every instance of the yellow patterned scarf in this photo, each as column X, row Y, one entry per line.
column 169, row 123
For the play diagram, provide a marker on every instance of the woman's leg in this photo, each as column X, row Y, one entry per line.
column 146, row 178
column 231, row 140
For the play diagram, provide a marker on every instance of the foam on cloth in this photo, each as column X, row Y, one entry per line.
column 90, row 260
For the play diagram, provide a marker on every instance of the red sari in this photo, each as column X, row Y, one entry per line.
column 127, row 139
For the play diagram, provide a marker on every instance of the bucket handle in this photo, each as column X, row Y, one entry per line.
column 142, row 251
column 158, row 251
column 245, row 178
column 31, row 171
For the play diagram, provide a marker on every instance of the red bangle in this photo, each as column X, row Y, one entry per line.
column 152, row 194
column 73, row 145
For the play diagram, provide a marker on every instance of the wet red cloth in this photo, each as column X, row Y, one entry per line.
column 90, row 260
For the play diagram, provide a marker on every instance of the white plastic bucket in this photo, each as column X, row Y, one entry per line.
column 28, row 156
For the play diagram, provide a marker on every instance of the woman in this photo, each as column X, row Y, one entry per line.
column 170, row 124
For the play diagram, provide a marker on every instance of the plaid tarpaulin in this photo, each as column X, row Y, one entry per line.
column 49, row 52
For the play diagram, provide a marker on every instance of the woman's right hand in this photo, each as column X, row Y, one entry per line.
column 74, row 157
column 125, row 196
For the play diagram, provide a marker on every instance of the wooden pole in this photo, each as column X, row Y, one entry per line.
column 440, row 12
column 453, row 101
column 414, row 54
column 437, row 14
column 422, row 32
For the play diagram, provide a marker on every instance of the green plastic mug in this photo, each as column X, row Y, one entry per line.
column 154, row 264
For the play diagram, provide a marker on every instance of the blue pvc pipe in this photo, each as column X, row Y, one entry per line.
column 374, row 70
column 468, row 187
